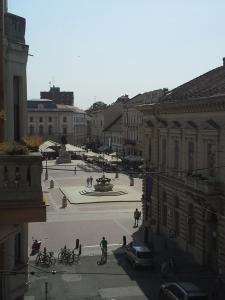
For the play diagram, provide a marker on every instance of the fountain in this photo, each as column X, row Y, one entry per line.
column 103, row 184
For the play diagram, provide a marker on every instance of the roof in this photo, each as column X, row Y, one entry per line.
column 209, row 84
column 41, row 104
column 113, row 123
column 64, row 107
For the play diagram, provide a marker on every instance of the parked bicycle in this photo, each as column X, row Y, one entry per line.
column 46, row 258
column 68, row 256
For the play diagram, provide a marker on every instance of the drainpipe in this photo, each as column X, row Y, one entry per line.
column 1, row 71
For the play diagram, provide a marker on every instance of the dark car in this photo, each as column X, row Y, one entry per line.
column 139, row 256
column 181, row 291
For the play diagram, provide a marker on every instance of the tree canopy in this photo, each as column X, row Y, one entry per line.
column 99, row 105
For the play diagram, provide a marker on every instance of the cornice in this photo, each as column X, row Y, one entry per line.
column 198, row 105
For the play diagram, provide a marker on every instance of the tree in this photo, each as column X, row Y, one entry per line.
column 99, row 105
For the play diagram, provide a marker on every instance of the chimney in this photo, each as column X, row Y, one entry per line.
column 224, row 61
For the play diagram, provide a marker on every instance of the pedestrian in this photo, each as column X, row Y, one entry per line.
column 103, row 245
column 137, row 215
column 75, row 170
column 88, row 182
column 91, row 180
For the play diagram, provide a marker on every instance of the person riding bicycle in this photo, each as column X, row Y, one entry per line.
column 103, row 245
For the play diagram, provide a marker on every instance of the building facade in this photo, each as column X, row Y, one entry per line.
column 183, row 190
column 113, row 137
column 66, row 98
column 133, row 122
column 52, row 121
column 21, row 199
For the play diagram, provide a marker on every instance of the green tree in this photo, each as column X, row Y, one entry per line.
column 99, row 105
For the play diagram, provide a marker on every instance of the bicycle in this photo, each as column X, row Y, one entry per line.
column 103, row 258
column 46, row 258
column 68, row 256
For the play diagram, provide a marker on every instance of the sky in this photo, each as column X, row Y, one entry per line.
column 102, row 49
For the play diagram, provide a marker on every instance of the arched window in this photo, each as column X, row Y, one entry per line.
column 164, row 209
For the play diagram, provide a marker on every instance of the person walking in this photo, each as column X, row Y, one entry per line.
column 137, row 215
column 75, row 170
column 91, row 180
column 103, row 245
column 88, row 182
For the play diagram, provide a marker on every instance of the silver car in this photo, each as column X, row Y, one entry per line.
column 140, row 256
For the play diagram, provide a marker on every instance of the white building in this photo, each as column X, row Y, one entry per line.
column 52, row 121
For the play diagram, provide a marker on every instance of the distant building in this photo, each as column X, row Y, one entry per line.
column 133, row 121
column 52, row 121
column 58, row 97
column 113, row 135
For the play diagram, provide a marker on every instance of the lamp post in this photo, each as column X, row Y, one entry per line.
column 46, row 167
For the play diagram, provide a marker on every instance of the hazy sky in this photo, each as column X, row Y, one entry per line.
column 101, row 49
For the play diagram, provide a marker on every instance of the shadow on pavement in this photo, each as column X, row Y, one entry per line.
column 150, row 279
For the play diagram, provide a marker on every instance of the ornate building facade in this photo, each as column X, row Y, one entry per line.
column 184, row 138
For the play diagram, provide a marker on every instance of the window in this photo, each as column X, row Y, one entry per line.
column 190, row 156
column 176, row 155
column 17, row 249
column 64, row 119
column 64, row 130
column 164, row 153
column 50, row 119
column 31, row 119
column 164, row 209
column 31, row 130
column 177, row 216
column 41, row 130
column 50, row 129
column 40, row 119
column 191, row 226
column 210, row 160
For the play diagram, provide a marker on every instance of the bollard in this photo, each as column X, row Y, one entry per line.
column 64, row 202
column 79, row 253
column 51, row 184
column 117, row 175
column 131, row 181
column 124, row 240
column 77, row 243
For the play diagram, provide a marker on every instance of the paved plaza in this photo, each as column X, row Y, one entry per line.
column 89, row 222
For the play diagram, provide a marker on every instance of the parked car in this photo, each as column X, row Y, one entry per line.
column 181, row 291
column 140, row 256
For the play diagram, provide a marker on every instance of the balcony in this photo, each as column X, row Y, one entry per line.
column 209, row 186
column 21, row 197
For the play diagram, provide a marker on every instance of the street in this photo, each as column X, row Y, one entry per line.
column 89, row 223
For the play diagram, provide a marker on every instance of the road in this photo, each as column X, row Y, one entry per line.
column 89, row 222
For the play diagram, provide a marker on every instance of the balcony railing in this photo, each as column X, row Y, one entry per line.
column 20, row 188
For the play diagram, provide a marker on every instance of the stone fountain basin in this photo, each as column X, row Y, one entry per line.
column 103, row 187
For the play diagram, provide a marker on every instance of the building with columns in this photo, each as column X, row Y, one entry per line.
column 21, row 197
column 183, row 190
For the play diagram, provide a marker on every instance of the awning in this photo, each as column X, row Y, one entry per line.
column 47, row 145
column 72, row 148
